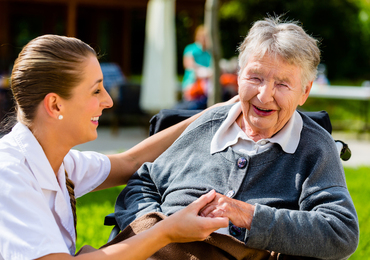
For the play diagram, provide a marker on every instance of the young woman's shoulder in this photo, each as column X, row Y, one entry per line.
column 10, row 153
column 86, row 169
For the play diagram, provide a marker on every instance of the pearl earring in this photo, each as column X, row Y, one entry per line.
column 60, row 117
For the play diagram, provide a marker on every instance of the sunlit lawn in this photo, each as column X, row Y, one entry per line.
column 358, row 181
column 93, row 207
column 91, row 210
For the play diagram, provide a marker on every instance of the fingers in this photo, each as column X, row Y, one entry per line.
column 205, row 211
column 238, row 212
column 186, row 225
column 215, row 223
column 212, row 206
column 202, row 201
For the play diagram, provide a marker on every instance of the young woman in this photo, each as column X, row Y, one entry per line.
column 58, row 88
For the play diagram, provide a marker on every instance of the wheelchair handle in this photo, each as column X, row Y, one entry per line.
column 345, row 153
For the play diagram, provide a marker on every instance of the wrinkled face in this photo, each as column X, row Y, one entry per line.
column 270, row 90
column 85, row 107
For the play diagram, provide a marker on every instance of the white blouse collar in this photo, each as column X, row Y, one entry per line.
column 228, row 134
column 33, row 152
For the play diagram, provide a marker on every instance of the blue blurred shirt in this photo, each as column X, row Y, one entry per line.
column 201, row 58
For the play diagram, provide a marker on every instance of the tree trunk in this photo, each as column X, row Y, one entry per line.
column 211, row 24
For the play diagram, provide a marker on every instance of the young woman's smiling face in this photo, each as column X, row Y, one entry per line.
column 83, row 110
column 270, row 90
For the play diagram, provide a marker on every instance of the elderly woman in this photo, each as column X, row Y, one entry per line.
column 277, row 173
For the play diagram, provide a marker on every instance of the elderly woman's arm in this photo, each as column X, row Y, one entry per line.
column 325, row 226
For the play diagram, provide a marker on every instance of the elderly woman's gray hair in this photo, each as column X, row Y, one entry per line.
column 282, row 39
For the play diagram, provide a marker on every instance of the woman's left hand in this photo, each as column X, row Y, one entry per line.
column 240, row 213
column 187, row 225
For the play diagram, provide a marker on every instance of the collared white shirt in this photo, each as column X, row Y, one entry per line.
column 230, row 134
column 35, row 212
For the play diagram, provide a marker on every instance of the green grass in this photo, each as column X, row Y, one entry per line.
column 93, row 207
column 91, row 210
column 359, row 187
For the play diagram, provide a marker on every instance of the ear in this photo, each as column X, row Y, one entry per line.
column 306, row 93
column 52, row 105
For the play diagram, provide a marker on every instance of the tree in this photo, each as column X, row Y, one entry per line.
column 211, row 23
column 344, row 37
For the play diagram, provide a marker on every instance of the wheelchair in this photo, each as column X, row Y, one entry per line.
column 168, row 117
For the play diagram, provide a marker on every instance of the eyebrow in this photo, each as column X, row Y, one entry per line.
column 255, row 70
column 258, row 71
column 285, row 79
column 96, row 82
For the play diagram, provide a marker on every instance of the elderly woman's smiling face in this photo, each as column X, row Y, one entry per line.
column 270, row 90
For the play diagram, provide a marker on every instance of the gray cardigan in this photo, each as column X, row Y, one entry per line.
column 302, row 203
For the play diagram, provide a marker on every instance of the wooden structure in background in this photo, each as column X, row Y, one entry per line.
column 122, row 21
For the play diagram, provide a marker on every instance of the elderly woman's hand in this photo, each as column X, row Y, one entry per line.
column 240, row 213
column 187, row 225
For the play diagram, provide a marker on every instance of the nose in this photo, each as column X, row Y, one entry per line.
column 266, row 92
column 107, row 101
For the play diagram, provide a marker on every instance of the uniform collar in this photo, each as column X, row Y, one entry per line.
column 35, row 157
column 228, row 133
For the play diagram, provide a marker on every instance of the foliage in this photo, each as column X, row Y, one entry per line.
column 93, row 207
column 345, row 115
column 342, row 26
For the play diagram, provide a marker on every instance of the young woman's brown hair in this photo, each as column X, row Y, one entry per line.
column 47, row 64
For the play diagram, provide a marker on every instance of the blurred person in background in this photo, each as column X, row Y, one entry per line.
column 197, row 61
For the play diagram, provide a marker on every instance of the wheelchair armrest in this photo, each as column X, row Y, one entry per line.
column 110, row 220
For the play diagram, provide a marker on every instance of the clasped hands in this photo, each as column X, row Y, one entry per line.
column 206, row 214
column 238, row 212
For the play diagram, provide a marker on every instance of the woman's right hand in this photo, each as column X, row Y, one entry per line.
column 184, row 226
column 187, row 225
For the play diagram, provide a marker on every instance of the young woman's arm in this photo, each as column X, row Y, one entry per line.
column 125, row 164
column 183, row 226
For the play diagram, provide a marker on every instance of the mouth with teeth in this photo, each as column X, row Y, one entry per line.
column 262, row 111
column 95, row 120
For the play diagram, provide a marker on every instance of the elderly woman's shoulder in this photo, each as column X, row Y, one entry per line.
column 209, row 117
column 218, row 112
column 317, row 130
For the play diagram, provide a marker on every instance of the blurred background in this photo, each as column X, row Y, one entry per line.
column 142, row 45
column 119, row 31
